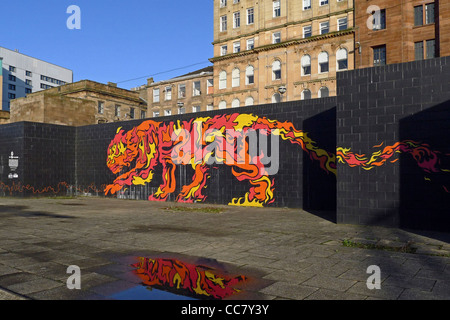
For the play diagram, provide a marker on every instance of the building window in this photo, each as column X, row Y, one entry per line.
column 181, row 110
column 223, row 23
column 236, row 19
column 431, row 49
column 429, row 13
column 324, row 27
column 117, row 111
column 132, row 114
column 223, row 3
column 11, row 78
column 379, row 20
column 323, row 2
column 28, row 90
column 250, row 44
column 249, row 101
column 324, row 92
column 210, row 86
column 155, row 114
column 222, row 105
column 222, row 80
column 306, row 65
column 209, row 107
column 168, row 93
column 181, row 91
column 418, row 50
column 276, row 37
column 28, row 73
column 236, row 47
column 235, row 78
column 276, row 9
column 168, row 112
column 276, row 70
column 307, row 31
column 342, row 24
column 250, row 16
column 196, row 88
column 28, row 82
column 276, row 98
column 249, row 75
column 379, row 55
column 306, row 4
column 11, row 95
column 342, row 59
column 155, row 95
column 101, row 107
column 235, row 103
column 306, row 94
column 223, row 50
column 196, row 109
column 144, row 114
column 418, row 15
column 45, row 86
column 323, row 62
column 11, row 87
column 12, row 69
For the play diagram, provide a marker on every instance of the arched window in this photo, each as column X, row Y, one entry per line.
column 324, row 92
column 249, row 101
column 306, row 94
column 250, row 75
column 342, row 59
column 222, row 105
column 276, row 98
column 306, row 65
column 323, row 62
column 235, row 78
column 222, row 80
column 235, row 103
column 276, row 70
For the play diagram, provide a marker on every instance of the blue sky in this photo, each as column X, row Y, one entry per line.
column 118, row 41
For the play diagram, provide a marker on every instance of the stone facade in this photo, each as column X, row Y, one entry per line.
column 81, row 103
column 402, row 34
column 4, row 117
column 192, row 92
column 248, row 53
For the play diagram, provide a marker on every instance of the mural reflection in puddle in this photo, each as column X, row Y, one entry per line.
column 175, row 278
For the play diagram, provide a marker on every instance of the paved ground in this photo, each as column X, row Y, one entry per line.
column 287, row 253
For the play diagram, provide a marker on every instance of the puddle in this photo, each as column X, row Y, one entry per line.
column 169, row 276
column 147, row 293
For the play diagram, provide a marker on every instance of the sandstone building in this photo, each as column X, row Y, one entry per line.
column 269, row 51
column 80, row 103
column 400, row 31
column 192, row 92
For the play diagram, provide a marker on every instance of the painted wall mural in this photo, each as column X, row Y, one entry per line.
column 188, row 279
column 429, row 160
column 199, row 142
column 18, row 187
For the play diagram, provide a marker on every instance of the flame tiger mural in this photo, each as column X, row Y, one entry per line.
column 154, row 143
column 181, row 277
column 429, row 160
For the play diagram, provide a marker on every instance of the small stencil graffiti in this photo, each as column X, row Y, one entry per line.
column 13, row 165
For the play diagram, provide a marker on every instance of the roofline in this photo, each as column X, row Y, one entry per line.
column 38, row 59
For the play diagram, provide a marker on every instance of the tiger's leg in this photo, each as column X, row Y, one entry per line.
column 260, row 193
column 169, row 182
column 193, row 191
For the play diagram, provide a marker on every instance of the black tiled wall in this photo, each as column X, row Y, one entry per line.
column 391, row 104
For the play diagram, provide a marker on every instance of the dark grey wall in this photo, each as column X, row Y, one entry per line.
column 392, row 104
column 404, row 108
